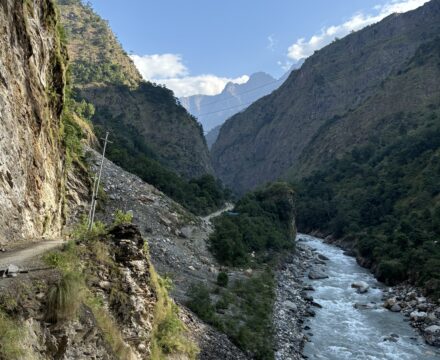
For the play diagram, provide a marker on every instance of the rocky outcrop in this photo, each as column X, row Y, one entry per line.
column 345, row 93
column 32, row 78
column 177, row 242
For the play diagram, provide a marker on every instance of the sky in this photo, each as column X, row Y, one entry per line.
column 197, row 46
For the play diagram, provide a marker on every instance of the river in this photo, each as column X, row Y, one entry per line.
column 340, row 331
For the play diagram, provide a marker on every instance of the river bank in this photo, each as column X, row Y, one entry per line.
column 422, row 312
column 293, row 305
column 352, row 322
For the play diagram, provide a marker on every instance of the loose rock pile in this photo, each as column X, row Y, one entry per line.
column 293, row 304
column 423, row 313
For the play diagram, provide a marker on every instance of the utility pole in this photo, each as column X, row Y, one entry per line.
column 96, row 185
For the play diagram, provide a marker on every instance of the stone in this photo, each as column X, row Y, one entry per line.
column 432, row 335
column 310, row 312
column 360, row 286
column 315, row 304
column 248, row 272
column 422, row 307
column 289, row 305
column 12, row 270
column 433, row 329
column 322, row 257
column 395, row 308
column 418, row 315
column 142, row 348
column 192, row 268
column 106, row 285
column 317, row 275
column 368, row 306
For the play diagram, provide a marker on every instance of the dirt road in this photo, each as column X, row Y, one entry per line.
column 23, row 256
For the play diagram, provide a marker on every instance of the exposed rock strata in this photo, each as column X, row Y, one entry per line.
column 32, row 66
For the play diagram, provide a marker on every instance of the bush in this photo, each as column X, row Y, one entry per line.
column 64, row 298
column 122, row 218
column 391, row 272
column 222, row 279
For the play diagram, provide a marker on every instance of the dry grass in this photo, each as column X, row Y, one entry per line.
column 64, row 298
column 169, row 334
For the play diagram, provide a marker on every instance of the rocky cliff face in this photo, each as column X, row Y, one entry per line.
column 272, row 136
column 32, row 78
column 141, row 114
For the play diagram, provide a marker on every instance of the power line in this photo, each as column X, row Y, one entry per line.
column 244, row 92
column 296, row 88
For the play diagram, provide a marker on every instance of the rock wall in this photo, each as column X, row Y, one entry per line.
column 32, row 79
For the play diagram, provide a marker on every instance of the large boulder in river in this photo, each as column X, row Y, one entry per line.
column 360, row 286
column 317, row 275
column 432, row 335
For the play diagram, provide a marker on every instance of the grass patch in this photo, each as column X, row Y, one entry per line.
column 65, row 298
column 109, row 327
column 11, row 335
column 169, row 333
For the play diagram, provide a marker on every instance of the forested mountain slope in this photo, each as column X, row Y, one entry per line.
column 144, row 119
column 338, row 99
column 383, row 198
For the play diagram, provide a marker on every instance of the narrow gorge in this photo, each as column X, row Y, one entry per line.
column 306, row 225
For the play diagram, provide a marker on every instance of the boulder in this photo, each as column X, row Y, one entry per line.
column 432, row 335
column 389, row 302
column 395, row 308
column 361, row 286
column 317, row 275
column 418, row 315
column 322, row 257
column 289, row 305
column 12, row 271
column 368, row 306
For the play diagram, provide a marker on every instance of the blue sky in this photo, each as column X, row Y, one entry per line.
column 196, row 46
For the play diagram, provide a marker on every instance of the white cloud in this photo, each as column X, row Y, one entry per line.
column 202, row 84
column 169, row 70
column 303, row 48
column 160, row 66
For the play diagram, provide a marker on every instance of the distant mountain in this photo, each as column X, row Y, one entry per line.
column 212, row 136
column 212, row 111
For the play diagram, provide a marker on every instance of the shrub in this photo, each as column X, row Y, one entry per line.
column 64, row 298
column 222, row 279
column 122, row 218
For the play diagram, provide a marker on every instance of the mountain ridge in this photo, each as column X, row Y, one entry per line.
column 265, row 141
column 213, row 110
column 104, row 75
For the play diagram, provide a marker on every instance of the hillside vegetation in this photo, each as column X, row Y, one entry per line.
column 384, row 202
column 383, row 198
column 152, row 135
column 256, row 233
